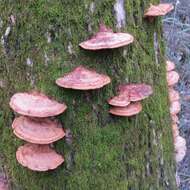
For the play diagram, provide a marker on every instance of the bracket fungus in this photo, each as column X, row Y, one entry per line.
column 38, row 157
column 107, row 39
column 172, row 78
column 82, row 78
column 170, row 66
column 158, row 10
column 35, row 105
column 175, row 107
column 120, row 101
column 173, row 95
column 37, row 131
column 130, row 110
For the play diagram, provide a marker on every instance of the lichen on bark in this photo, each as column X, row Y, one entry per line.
column 106, row 152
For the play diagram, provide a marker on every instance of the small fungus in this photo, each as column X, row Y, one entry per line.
column 175, row 107
column 35, row 105
column 180, row 148
column 130, row 110
column 173, row 95
column 107, row 39
column 170, row 66
column 37, row 131
column 38, row 157
column 172, row 78
column 82, row 78
column 175, row 118
column 120, row 101
column 158, row 10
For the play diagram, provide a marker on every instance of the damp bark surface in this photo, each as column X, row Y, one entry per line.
column 39, row 43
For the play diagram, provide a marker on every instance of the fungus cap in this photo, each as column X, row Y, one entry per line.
column 173, row 95
column 107, row 39
column 172, row 78
column 180, row 148
column 170, row 66
column 130, row 110
column 175, row 118
column 37, row 131
column 136, row 92
column 175, row 107
column 38, row 157
column 158, row 10
column 35, row 105
column 120, row 101
column 82, row 78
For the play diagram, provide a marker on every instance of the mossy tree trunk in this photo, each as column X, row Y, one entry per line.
column 106, row 153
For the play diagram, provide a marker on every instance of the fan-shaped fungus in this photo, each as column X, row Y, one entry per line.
column 136, row 92
column 170, row 66
column 107, row 39
column 175, row 107
column 38, row 157
column 120, row 101
column 38, row 131
column 130, row 110
column 35, row 105
column 83, row 79
column 158, row 10
column 172, row 78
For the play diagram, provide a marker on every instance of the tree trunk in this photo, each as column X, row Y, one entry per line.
column 39, row 44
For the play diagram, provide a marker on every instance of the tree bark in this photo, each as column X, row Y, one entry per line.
column 39, row 44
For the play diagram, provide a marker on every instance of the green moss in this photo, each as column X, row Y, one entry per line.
column 108, row 152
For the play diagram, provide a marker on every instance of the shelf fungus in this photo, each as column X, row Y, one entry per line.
column 37, row 131
column 82, row 78
column 120, row 101
column 130, row 110
column 158, row 10
column 173, row 95
column 36, row 104
column 172, row 78
column 170, row 66
column 38, row 157
column 175, row 107
column 107, row 39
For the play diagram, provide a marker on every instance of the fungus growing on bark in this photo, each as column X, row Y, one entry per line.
column 107, row 39
column 172, row 78
column 173, row 95
column 175, row 107
column 136, row 92
column 120, row 101
column 38, row 157
column 158, row 10
column 82, row 78
column 175, row 118
column 37, row 131
column 130, row 110
column 170, row 66
column 35, row 105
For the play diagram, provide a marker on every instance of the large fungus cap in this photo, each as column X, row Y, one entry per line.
column 170, row 66
column 35, row 105
column 175, row 107
column 82, row 78
column 107, row 39
column 120, row 100
column 38, row 157
column 130, row 110
column 136, row 92
column 173, row 95
column 158, row 10
column 172, row 78
column 37, row 131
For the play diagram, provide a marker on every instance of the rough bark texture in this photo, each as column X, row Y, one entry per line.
column 106, row 152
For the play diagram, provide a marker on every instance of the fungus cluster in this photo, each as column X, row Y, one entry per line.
column 34, row 127
column 175, row 107
column 127, row 102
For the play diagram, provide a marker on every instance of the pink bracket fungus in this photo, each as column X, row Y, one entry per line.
column 170, row 66
column 172, row 78
column 175, row 107
column 175, row 118
column 37, row 131
column 136, row 92
column 107, row 39
column 82, row 78
column 120, row 101
column 35, row 105
column 130, row 110
column 173, row 95
column 38, row 157
column 158, row 10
